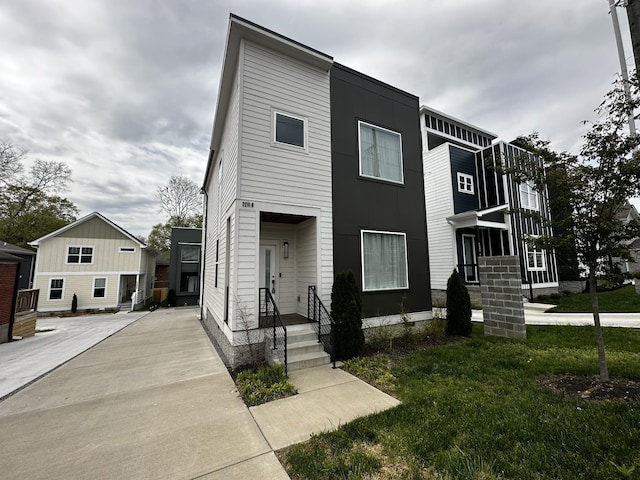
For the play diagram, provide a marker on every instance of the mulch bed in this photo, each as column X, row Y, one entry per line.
column 589, row 388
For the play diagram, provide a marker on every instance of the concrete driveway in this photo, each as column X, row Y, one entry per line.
column 152, row 401
column 62, row 339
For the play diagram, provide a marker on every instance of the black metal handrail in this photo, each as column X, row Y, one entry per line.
column 275, row 328
column 322, row 322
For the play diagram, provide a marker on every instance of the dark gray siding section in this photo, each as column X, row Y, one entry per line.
column 463, row 161
column 179, row 271
column 362, row 203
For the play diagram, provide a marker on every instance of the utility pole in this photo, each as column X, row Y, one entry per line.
column 623, row 62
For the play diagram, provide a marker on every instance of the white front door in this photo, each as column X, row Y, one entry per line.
column 268, row 270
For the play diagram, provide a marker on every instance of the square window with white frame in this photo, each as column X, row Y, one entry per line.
column 290, row 130
column 99, row 287
column 528, row 196
column 56, row 288
column 465, row 183
column 384, row 261
column 380, row 153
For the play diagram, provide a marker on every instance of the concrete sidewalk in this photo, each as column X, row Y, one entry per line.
column 25, row 360
column 156, row 401
column 534, row 314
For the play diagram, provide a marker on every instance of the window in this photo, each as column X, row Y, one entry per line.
column 80, row 255
column 380, row 153
column 535, row 258
column 528, row 196
column 465, row 183
column 189, row 253
column 289, row 130
column 127, row 249
column 99, row 287
column 217, row 262
column 56, row 288
column 384, row 260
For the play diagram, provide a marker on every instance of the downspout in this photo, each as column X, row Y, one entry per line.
column 12, row 315
column 204, row 250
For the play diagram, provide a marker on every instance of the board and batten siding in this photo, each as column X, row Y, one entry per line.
column 281, row 174
column 306, row 261
column 52, row 255
column 439, row 206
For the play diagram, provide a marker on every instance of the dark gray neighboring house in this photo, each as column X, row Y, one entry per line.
column 184, row 265
column 27, row 260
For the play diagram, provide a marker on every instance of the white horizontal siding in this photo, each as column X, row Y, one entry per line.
column 439, row 206
column 245, row 289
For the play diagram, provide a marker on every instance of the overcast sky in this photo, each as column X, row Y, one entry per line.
column 124, row 91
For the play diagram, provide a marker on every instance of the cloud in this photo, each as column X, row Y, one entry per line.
column 125, row 92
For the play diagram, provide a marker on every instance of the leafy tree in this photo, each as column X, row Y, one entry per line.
column 458, row 307
column 346, row 310
column 180, row 199
column 594, row 185
column 43, row 214
column 29, row 207
column 160, row 236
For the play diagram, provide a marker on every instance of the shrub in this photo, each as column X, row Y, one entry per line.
column 74, row 303
column 171, row 298
column 435, row 329
column 458, row 307
column 346, row 310
column 267, row 383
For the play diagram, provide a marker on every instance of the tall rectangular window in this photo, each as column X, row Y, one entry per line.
column 528, row 196
column 535, row 258
column 384, row 260
column 380, row 153
column 217, row 263
column 80, row 255
column 289, row 130
column 56, row 287
column 99, row 287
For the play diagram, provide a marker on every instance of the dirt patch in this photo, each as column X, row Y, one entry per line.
column 588, row 388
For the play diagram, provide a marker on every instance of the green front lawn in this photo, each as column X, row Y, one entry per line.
column 622, row 300
column 474, row 410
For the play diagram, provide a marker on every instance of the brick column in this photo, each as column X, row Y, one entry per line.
column 501, row 289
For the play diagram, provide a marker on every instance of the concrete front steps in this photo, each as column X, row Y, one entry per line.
column 303, row 348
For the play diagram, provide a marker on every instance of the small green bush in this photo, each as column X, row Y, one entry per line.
column 346, row 310
column 268, row 383
column 458, row 306
column 381, row 338
column 171, row 298
column 74, row 303
column 435, row 329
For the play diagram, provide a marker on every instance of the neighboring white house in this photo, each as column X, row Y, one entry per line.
column 474, row 209
column 104, row 265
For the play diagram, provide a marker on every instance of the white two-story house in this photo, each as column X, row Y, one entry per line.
column 102, row 264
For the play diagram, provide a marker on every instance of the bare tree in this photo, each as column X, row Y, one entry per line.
column 180, row 199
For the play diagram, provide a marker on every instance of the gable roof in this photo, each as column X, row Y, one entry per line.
column 14, row 249
column 82, row 220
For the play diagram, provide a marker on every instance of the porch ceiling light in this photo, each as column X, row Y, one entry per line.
column 286, row 249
